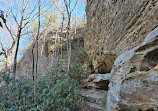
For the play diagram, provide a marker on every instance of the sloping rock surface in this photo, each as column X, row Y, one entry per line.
column 95, row 98
column 134, row 78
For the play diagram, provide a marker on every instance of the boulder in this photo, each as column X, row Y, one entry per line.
column 134, row 78
column 99, row 81
column 116, row 26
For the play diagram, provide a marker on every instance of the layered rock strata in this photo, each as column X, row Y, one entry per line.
column 116, row 26
column 134, row 78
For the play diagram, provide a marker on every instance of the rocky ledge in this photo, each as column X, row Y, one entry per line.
column 134, row 78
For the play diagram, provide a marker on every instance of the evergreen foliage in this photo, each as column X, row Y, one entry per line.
column 55, row 92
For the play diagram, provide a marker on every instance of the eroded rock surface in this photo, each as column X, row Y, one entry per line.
column 99, row 81
column 116, row 26
column 134, row 80
column 95, row 98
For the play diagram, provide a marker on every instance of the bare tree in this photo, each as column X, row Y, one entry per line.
column 61, row 40
column 37, row 37
column 62, row 11
column 33, row 64
column 54, row 51
column 20, row 28
column 6, row 51
column 69, row 10
column 23, row 12
column 75, row 19
column 22, row 20
column 59, row 33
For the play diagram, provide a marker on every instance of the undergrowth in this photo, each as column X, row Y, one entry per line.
column 55, row 92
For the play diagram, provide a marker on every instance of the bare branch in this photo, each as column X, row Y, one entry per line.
column 11, row 34
column 74, row 6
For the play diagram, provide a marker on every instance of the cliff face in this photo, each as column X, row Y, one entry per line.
column 134, row 78
column 117, row 31
column 115, row 26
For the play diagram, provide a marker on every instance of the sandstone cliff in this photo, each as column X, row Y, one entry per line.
column 115, row 26
column 116, row 41
column 134, row 78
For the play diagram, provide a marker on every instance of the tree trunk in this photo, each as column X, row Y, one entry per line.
column 68, row 45
column 61, row 37
column 75, row 20
column 33, row 68
column 60, row 41
column 16, row 53
column 69, row 12
column 39, row 5
column 54, row 51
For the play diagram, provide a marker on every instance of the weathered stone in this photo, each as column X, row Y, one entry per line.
column 94, row 95
column 98, row 77
column 88, row 67
column 95, row 98
column 100, row 81
column 116, row 26
column 134, row 81
column 96, row 107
